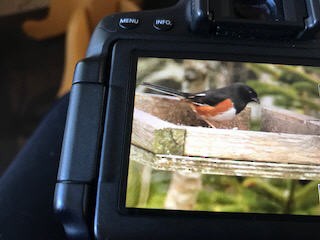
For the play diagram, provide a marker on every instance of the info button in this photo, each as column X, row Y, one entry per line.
column 129, row 22
column 163, row 24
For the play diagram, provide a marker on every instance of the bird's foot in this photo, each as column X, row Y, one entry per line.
column 210, row 124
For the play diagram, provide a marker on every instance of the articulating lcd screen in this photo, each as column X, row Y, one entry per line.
column 225, row 137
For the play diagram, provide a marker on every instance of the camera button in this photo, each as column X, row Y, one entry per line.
column 129, row 22
column 162, row 24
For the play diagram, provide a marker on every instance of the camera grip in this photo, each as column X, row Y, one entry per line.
column 80, row 151
column 83, row 127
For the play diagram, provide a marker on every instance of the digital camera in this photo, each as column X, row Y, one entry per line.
column 160, row 143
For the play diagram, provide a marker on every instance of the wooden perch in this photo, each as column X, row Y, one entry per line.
column 253, row 146
column 284, row 121
column 156, row 135
column 168, row 146
column 161, row 137
column 224, row 167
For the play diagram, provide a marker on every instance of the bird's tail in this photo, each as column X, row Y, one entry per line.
column 166, row 90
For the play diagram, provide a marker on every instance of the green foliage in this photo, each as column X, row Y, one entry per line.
column 264, row 68
column 158, row 190
column 306, row 196
column 266, row 89
column 292, row 87
column 298, row 73
column 288, row 96
column 266, row 189
column 255, row 125
column 262, row 196
column 306, row 87
column 240, row 194
column 134, row 184
column 233, row 194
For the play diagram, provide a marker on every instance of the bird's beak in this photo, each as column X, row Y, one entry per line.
column 256, row 100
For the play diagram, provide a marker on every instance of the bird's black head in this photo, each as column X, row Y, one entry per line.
column 244, row 94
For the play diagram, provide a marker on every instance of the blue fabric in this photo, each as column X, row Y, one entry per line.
column 27, row 187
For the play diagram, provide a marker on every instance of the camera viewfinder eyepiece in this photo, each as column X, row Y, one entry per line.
column 258, row 10
column 276, row 19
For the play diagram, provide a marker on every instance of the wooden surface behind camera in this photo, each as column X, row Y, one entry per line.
column 76, row 18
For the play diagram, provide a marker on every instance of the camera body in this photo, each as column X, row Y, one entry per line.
column 91, row 185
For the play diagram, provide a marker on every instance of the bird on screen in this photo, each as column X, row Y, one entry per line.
column 218, row 105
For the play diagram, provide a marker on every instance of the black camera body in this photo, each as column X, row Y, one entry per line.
column 91, row 186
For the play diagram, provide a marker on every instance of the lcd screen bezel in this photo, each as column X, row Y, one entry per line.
column 112, row 184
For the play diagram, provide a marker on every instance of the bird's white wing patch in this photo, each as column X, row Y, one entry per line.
column 200, row 95
column 225, row 116
column 200, row 104
column 197, row 95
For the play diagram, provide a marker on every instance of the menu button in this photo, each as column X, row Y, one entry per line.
column 129, row 23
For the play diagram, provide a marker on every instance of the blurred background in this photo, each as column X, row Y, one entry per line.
column 30, row 72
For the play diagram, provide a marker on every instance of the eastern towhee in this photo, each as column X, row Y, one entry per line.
column 219, row 105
